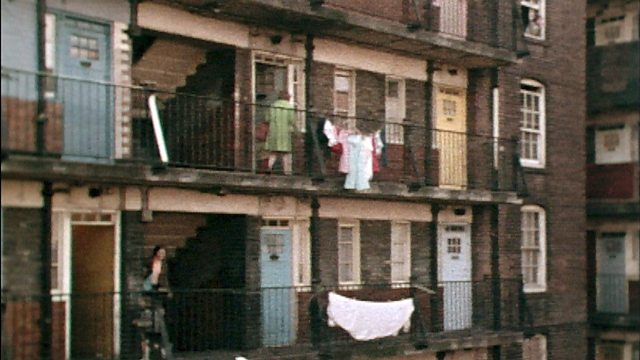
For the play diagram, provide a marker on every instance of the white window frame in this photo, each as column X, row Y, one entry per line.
column 301, row 253
column 354, row 225
column 539, row 340
column 349, row 122
column 400, row 270
column 394, row 129
column 295, row 80
column 540, row 8
column 541, row 249
column 540, row 133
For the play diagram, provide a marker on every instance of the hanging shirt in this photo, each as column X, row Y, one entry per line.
column 360, row 162
column 281, row 118
column 368, row 320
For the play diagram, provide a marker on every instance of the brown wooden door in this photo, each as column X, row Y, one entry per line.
column 92, row 291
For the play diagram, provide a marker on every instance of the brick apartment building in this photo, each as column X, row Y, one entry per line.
column 613, row 203
column 128, row 124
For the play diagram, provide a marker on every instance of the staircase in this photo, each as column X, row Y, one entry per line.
column 166, row 64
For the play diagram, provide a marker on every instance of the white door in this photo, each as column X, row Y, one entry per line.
column 612, row 289
column 454, row 264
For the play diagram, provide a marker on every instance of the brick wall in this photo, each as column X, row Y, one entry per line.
column 19, row 120
column 21, row 258
column 375, row 251
column 558, row 63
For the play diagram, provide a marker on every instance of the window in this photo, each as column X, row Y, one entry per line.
column 394, row 111
column 532, row 124
column 400, row 251
column 533, row 248
column 348, row 252
column 57, row 251
column 533, row 18
column 344, row 104
column 302, row 253
column 535, row 348
column 613, row 144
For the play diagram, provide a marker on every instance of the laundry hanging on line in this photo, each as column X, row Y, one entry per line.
column 368, row 320
column 358, row 154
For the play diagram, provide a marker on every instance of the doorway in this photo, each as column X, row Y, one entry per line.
column 276, row 283
column 83, row 52
column 92, row 289
column 454, row 264
column 450, row 138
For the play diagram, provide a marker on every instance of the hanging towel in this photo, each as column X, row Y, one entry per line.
column 368, row 320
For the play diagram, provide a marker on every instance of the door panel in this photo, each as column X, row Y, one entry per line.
column 92, row 291
column 612, row 284
column 83, row 53
column 276, row 282
column 450, row 137
column 454, row 263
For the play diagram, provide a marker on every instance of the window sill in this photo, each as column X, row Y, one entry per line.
column 535, row 170
column 533, row 291
column 535, row 41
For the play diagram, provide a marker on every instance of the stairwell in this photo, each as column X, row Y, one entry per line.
column 166, row 64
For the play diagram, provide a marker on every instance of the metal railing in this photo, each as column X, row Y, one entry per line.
column 101, row 122
column 121, row 325
column 617, row 294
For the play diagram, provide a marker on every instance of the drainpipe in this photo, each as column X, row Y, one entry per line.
column 47, row 191
column 496, row 291
column 41, row 117
column 433, row 265
column 428, row 123
column 45, row 272
column 308, row 63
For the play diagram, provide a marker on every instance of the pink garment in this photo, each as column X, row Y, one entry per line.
column 368, row 320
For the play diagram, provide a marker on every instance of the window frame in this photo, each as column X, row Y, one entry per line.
column 541, row 8
column 402, row 270
column 395, row 137
column 354, row 225
column 347, row 120
column 541, row 131
column 541, row 249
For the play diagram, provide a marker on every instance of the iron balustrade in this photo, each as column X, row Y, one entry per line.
column 617, row 300
column 92, row 121
column 113, row 325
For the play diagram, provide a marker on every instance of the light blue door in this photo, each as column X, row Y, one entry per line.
column 83, row 53
column 276, row 283
column 612, row 284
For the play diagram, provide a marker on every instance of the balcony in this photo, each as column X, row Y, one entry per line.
column 442, row 31
column 216, row 141
column 259, row 323
column 617, row 301
column 612, row 77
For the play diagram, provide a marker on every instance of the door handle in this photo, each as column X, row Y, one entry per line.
column 85, row 63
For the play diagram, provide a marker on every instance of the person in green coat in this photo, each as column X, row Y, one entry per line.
column 281, row 118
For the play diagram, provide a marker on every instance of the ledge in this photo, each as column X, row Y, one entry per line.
column 296, row 15
column 51, row 169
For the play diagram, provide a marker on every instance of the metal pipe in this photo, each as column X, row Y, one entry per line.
column 45, row 273
column 41, row 119
column 315, row 242
column 428, row 121
column 308, row 65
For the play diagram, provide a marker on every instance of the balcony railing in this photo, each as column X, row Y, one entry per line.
column 102, row 122
column 617, row 300
column 112, row 325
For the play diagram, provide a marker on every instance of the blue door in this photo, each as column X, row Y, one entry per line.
column 83, row 62
column 276, row 281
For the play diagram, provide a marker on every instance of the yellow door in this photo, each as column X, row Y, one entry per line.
column 92, row 291
column 450, row 136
